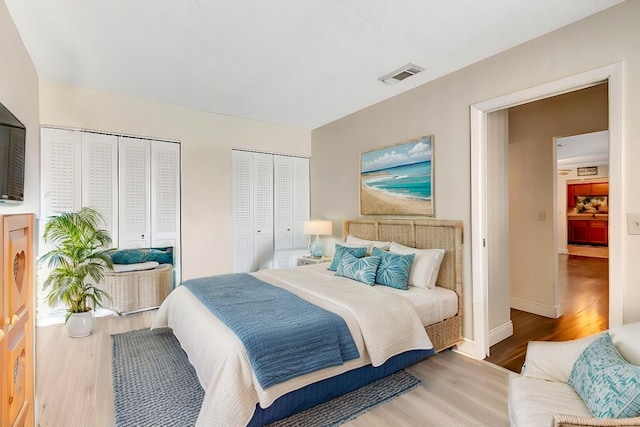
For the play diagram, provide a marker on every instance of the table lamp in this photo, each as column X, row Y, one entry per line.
column 317, row 228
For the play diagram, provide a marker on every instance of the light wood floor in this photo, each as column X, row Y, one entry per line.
column 584, row 295
column 73, row 384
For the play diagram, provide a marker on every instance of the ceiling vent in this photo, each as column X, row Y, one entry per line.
column 401, row 73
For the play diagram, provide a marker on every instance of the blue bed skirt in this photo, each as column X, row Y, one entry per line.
column 325, row 390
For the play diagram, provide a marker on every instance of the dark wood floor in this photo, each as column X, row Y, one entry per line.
column 584, row 296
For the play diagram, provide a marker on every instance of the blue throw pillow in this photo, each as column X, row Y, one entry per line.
column 358, row 252
column 161, row 256
column 135, row 256
column 127, row 256
column 394, row 269
column 360, row 269
column 606, row 382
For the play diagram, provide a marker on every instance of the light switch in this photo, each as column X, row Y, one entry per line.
column 633, row 223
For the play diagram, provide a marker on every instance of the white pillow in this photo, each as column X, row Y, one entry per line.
column 625, row 338
column 348, row 244
column 425, row 267
column 370, row 244
column 123, row 268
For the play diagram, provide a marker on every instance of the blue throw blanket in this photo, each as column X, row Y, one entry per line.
column 284, row 335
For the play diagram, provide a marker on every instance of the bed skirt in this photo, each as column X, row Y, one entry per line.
column 330, row 388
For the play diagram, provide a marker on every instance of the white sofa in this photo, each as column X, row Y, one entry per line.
column 541, row 396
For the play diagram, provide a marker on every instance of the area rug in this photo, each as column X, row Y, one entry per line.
column 155, row 385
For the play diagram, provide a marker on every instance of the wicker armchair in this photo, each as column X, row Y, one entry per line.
column 138, row 290
column 542, row 396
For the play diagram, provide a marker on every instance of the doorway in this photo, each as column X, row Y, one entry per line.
column 543, row 283
column 480, row 234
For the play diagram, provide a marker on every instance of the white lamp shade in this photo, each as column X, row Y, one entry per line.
column 318, row 227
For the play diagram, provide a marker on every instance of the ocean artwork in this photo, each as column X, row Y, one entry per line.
column 398, row 180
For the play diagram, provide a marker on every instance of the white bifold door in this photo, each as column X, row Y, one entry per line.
column 270, row 204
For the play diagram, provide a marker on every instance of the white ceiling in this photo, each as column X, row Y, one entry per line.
column 589, row 149
column 302, row 63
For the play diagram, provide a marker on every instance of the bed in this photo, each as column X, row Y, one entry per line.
column 233, row 395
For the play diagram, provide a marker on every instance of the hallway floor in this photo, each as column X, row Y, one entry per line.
column 584, row 297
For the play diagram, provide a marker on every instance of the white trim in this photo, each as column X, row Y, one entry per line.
column 479, row 262
column 617, row 208
column 500, row 333
column 467, row 347
column 545, row 310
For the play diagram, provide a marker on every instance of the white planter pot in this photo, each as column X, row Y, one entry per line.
column 80, row 324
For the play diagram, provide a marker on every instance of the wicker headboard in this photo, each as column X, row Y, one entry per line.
column 421, row 234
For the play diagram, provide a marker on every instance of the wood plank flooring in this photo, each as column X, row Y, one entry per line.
column 584, row 296
column 73, row 384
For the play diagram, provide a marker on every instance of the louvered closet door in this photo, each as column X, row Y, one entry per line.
column 300, row 201
column 60, row 172
column 165, row 193
column 282, row 212
column 242, row 207
column 100, row 178
column 262, row 211
column 134, row 189
column 283, row 209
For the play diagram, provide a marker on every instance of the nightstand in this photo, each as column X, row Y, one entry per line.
column 310, row 260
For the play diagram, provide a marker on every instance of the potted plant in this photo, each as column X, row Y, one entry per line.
column 78, row 261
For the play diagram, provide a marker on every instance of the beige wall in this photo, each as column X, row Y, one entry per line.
column 206, row 143
column 19, row 93
column 533, row 242
column 441, row 108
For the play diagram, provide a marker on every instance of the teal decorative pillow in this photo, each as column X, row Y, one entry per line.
column 394, row 269
column 360, row 269
column 606, row 382
column 127, row 256
column 136, row 256
column 357, row 252
column 160, row 256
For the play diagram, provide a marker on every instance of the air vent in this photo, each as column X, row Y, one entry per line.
column 401, row 74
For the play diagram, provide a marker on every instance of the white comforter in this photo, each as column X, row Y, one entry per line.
column 382, row 326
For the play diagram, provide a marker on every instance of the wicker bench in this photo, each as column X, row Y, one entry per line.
column 137, row 290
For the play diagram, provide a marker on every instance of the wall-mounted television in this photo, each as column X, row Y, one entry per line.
column 12, row 160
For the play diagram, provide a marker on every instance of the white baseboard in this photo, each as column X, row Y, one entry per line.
column 466, row 348
column 500, row 333
column 550, row 311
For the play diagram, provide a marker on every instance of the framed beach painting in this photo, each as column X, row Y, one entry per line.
column 398, row 180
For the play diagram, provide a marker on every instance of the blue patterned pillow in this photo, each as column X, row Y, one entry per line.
column 360, row 269
column 127, row 256
column 608, row 384
column 357, row 252
column 135, row 256
column 394, row 269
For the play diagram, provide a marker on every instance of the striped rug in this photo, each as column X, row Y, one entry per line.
column 155, row 385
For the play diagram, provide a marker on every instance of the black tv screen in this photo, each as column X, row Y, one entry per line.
column 12, row 160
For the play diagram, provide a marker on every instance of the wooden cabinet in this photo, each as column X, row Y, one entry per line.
column 578, row 231
column 598, row 232
column 600, row 189
column 590, row 189
column 16, row 329
column 590, row 232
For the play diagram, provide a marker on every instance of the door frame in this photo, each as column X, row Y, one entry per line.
column 479, row 259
